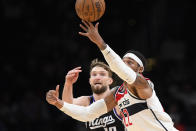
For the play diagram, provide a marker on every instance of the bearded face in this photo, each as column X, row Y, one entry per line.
column 99, row 80
column 98, row 89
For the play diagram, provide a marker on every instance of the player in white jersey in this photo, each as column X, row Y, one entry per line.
column 142, row 114
column 136, row 98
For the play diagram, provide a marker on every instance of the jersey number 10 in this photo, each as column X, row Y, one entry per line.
column 113, row 128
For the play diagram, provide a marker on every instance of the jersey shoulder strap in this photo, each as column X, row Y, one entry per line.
column 91, row 99
column 149, row 82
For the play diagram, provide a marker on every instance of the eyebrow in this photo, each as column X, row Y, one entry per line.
column 129, row 58
column 99, row 71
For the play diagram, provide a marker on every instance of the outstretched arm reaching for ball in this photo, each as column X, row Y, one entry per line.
column 92, row 33
column 115, row 62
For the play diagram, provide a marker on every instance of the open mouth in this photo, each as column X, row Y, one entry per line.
column 97, row 83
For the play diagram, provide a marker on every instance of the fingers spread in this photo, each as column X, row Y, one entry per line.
column 96, row 26
column 84, row 28
column 85, row 23
column 84, row 34
column 90, row 24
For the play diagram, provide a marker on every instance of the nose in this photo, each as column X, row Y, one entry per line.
column 124, row 61
column 98, row 77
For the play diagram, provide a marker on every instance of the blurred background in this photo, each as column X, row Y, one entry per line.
column 40, row 43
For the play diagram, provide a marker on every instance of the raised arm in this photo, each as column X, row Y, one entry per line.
column 115, row 62
column 67, row 94
column 82, row 113
column 70, row 79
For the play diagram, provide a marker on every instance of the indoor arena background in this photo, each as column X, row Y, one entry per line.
column 40, row 43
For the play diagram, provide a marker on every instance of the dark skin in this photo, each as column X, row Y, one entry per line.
column 139, row 88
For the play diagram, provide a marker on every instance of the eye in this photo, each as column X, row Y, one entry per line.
column 129, row 62
column 93, row 74
column 102, row 74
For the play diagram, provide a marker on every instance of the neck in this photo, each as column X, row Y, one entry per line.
column 101, row 96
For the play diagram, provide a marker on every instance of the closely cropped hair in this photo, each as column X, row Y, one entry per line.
column 97, row 63
column 139, row 55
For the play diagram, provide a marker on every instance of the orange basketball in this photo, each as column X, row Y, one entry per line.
column 90, row 10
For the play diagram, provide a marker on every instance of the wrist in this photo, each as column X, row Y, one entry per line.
column 59, row 104
column 102, row 45
column 68, row 85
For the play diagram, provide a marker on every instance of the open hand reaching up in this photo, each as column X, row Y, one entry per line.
column 92, row 33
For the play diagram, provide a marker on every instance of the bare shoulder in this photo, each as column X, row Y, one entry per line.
column 143, row 87
column 82, row 100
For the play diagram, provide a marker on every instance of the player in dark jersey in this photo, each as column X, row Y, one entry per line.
column 110, row 121
column 100, row 81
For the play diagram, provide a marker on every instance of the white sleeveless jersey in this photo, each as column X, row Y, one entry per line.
column 143, row 114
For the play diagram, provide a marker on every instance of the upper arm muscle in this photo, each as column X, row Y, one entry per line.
column 81, row 101
column 143, row 88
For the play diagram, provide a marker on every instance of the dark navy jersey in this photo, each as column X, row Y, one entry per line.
column 110, row 121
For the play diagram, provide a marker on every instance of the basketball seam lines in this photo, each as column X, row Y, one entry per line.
column 101, row 8
column 93, row 10
column 83, row 9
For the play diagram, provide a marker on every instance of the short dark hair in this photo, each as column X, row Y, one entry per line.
column 96, row 62
column 139, row 55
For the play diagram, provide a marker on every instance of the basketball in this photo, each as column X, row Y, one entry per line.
column 90, row 10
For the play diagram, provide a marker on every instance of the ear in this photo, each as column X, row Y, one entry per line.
column 141, row 69
column 110, row 81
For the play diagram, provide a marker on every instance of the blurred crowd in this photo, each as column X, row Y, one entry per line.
column 40, row 43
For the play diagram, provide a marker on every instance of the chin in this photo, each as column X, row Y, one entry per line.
column 99, row 89
column 98, row 86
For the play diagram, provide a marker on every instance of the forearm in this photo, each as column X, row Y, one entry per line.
column 118, row 66
column 84, row 114
column 67, row 94
column 101, row 44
